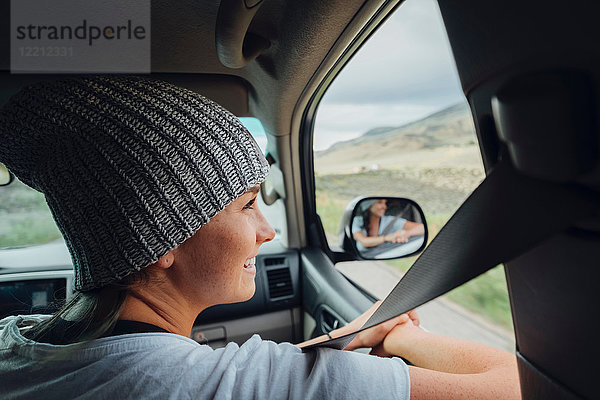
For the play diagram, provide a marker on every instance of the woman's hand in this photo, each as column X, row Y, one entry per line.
column 407, row 325
column 400, row 236
column 374, row 336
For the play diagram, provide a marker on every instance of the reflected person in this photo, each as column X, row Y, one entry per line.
column 373, row 227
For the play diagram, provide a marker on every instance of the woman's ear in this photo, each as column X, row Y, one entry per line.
column 165, row 261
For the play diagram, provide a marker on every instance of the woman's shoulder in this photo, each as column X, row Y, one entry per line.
column 357, row 224
column 185, row 367
column 13, row 331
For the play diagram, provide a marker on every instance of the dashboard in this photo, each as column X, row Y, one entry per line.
column 33, row 278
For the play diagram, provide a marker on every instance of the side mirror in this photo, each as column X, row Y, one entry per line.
column 5, row 176
column 383, row 228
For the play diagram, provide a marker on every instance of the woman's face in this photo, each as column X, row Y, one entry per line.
column 378, row 208
column 219, row 260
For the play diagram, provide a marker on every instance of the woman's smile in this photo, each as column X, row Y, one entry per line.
column 250, row 266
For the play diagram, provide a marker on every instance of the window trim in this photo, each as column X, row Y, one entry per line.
column 315, row 234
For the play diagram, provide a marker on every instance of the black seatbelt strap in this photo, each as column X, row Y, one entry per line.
column 391, row 224
column 508, row 214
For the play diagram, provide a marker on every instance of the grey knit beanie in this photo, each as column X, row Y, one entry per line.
column 129, row 167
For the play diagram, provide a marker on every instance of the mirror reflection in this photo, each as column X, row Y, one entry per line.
column 387, row 228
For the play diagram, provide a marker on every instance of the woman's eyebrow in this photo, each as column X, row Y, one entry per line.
column 254, row 189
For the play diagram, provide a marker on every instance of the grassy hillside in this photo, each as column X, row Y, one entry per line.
column 443, row 139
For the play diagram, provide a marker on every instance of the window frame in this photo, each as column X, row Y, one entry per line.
column 315, row 234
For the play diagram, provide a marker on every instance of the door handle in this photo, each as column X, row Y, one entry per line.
column 329, row 321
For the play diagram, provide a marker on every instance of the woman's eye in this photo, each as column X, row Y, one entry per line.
column 249, row 204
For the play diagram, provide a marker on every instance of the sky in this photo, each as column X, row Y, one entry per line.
column 404, row 72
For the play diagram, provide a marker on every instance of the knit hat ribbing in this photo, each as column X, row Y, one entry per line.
column 129, row 167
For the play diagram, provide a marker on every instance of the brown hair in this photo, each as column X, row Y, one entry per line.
column 91, row 314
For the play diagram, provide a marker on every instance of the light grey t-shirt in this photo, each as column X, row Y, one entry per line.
column 164, row 365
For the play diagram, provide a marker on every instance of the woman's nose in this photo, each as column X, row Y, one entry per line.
column 265, row 232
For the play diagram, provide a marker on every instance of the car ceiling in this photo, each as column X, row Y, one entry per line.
column 300, row 35
column 184, row 41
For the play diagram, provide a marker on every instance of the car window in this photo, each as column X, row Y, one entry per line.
column 255, row 127
column 24, row 215
column 395, row 122
column 26, row 219
column 274, row 213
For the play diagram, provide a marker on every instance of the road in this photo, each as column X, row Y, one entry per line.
column 439, row 316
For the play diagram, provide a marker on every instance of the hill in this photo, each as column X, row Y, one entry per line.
column 444, row 138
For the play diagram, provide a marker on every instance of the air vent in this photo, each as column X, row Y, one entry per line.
column 274, row 261
column 280, row 282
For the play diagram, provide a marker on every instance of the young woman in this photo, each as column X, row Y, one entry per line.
column 154, row 190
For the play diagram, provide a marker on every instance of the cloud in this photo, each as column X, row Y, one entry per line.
column 407, row 58
column 404, row 72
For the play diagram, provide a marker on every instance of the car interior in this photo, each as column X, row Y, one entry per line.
column 530, row 71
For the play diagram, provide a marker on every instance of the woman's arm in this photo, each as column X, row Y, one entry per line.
column 448, row 368
column 368, row 338
column 409, row 230
column 371, row 241
column 445, row 368
column 414, row 228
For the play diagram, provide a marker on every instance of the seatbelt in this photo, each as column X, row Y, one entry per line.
column 506, row 215
column 391, row 224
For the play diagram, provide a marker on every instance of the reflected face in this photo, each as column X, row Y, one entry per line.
column 378, row 208
column 219, row 260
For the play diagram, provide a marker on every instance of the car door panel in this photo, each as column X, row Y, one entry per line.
column 327, row 295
